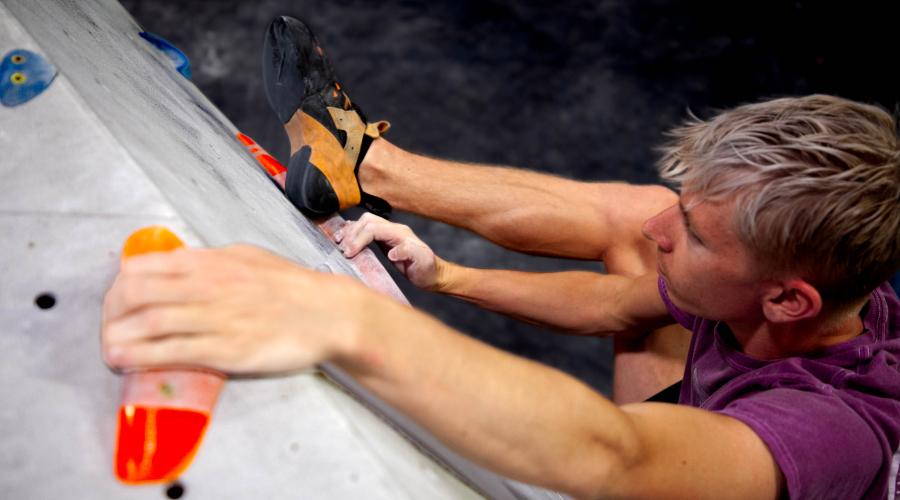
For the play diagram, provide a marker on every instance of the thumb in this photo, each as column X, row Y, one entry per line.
column 400, row 252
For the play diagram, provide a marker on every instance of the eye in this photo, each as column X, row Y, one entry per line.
column 17, row 59
column 17, row 78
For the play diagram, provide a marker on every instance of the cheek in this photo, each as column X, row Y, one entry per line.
column 693, row 280
column 684, row 263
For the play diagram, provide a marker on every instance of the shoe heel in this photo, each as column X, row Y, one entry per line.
column 307, row 187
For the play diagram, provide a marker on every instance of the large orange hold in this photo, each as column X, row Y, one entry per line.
column 151, row 239
column 164, row 413
column 156, row 444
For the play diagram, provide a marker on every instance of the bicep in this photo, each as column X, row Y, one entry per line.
column 687, row 452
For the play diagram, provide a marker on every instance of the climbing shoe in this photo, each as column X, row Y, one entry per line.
column 329, row 134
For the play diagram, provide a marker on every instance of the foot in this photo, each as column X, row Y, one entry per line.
column 329, row 134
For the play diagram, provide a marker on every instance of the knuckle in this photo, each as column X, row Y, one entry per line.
column 182, row 258
column 130, row 290
column 112, row 353
column 108, row 335
column 151, row 321
column 108, row 357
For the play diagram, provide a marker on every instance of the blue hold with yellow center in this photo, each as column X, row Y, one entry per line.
column 23, row 76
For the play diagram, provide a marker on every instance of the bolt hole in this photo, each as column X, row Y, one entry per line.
column 175, row 490
column 45, row 300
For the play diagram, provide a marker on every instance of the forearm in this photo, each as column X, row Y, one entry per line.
column 578, row 302
column 511, row 415
column 518, row 209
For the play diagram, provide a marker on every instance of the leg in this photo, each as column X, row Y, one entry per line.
column 517, row 209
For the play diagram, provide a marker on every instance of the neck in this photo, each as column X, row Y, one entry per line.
column 768, row 340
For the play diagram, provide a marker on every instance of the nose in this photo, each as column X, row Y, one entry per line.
column 657, row 229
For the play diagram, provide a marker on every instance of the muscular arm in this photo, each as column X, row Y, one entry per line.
column 241, row 310
column 518, row 209
column 541, row 426
column 578, row 302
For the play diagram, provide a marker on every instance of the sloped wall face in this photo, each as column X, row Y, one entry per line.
column 118, row 141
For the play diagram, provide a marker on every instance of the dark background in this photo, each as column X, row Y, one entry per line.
column 575, row 88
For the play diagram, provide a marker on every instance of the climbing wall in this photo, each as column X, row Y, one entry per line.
column 100, row 135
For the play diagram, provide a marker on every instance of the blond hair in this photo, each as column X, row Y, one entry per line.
column 816, row 186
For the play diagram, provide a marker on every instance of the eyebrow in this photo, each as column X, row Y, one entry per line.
column 687, row 221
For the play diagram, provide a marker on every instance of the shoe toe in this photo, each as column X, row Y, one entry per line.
column 294, row 66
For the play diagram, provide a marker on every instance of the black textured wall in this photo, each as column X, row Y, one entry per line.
column 576, row 88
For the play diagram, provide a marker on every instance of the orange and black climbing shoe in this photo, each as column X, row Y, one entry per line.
column 329, row 134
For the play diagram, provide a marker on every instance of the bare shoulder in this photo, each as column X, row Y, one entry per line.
column 645, row 200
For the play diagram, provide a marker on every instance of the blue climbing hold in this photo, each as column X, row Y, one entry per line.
column 23, row 75
column 179, row 60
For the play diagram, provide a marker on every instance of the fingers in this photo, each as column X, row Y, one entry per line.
column 235, row 309
column 355, row 236
column 173, row 351
column 416, row 261
column 180, row 261
column 134, row 291
column 403, row 252
column 154, row 322
column 351, row 227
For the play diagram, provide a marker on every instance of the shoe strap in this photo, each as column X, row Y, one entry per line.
column 376, row 129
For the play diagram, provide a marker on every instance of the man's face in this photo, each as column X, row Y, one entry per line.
column 708, row 271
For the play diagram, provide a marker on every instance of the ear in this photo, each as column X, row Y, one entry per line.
column 791, row 300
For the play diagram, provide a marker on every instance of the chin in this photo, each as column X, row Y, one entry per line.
column 676, row 299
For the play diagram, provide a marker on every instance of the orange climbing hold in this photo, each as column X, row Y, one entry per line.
column 246, row 140
column 157, row 444
column 151, row 239
column 164, row 413
column 273, row 167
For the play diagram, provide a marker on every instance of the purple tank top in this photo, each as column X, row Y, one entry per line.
column 831, row 418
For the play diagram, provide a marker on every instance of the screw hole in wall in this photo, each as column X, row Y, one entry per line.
column 45, row 300
column 175, row 490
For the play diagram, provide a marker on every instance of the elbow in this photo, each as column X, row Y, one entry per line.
column 607, row 470
column 599, row 323
column 590, row 330
column 608, row 480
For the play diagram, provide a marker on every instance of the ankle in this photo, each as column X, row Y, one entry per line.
column 374, row 170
